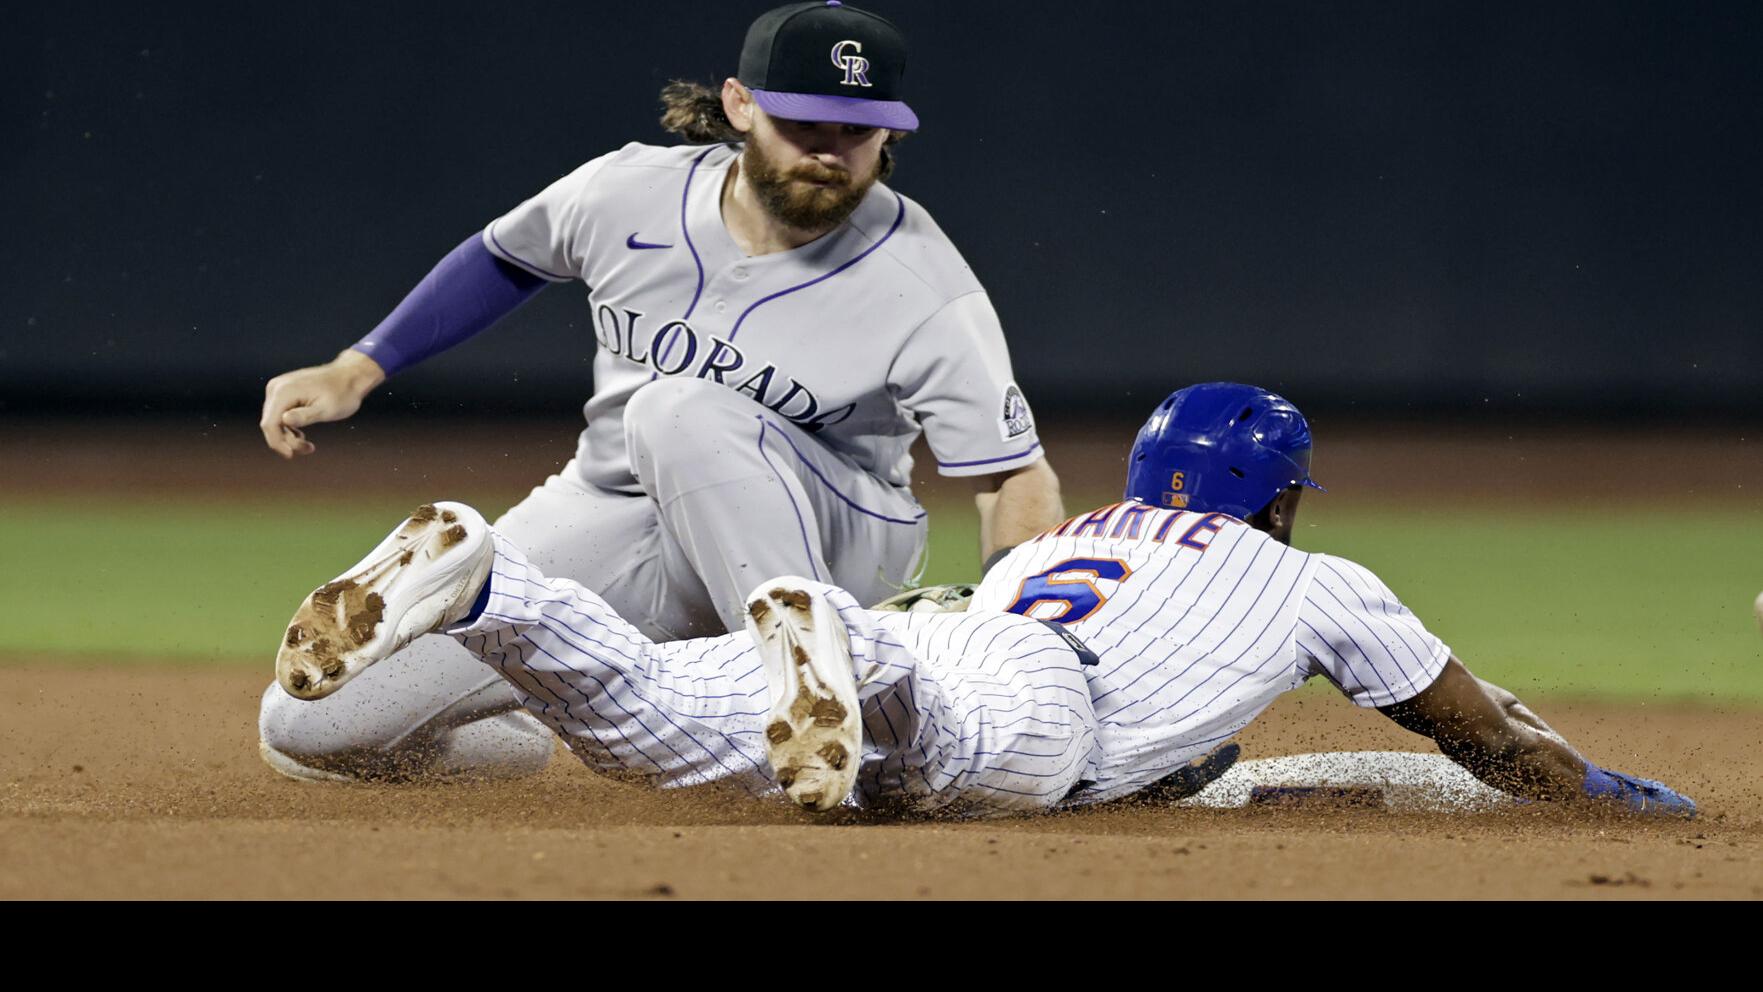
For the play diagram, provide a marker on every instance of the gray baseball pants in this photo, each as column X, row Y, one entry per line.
column 733, row 494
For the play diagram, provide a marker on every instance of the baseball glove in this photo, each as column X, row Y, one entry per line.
column 930, row 599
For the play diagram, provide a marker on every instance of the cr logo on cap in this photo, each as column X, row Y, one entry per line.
column 856, row 67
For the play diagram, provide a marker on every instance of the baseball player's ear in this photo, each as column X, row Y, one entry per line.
column 737, row 103
column 1285, row 511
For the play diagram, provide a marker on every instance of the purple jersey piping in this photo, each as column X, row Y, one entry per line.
column 990, row 461
column 898, row 219
column 686, row 228
column 848, row 501
column 807, row 545
column 509, row 256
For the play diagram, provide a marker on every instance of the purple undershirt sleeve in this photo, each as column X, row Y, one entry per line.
column 465, row 293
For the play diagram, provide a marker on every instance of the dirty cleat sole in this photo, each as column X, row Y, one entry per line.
column 424, row 575
column 813, row 733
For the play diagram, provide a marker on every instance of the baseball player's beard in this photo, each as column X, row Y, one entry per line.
column 790, row 196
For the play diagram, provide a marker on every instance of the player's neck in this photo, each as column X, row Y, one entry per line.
column 755, row 230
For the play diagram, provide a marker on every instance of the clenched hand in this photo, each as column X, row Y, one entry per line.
column 316, row 395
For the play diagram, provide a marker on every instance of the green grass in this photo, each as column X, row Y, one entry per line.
column 1628, row 602
column 1625, row 602
column 186, row 581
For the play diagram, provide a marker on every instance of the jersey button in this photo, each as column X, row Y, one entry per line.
column 740, row 273
column 721, row 307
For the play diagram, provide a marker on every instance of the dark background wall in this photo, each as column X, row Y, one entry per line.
column 1530, row 207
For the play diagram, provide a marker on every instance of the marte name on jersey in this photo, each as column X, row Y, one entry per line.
column 675, row 348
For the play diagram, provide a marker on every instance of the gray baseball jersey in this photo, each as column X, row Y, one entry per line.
column 863, row 338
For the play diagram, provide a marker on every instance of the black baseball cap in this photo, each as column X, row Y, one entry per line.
column 826, row 61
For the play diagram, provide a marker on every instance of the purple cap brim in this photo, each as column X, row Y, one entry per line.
column 891, row 114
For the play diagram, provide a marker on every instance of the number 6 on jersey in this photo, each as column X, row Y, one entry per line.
column 1071, row 585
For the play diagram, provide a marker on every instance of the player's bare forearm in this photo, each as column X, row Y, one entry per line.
column 319, row 394
column 1485, row 736
column 1015, row 506
column 1516, row 709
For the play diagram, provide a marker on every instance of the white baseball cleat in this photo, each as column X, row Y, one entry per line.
column 289, row 766
column 812, row 732
column 507, row 745
column 425, row 575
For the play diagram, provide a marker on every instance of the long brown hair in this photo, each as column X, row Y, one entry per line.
column 694, row 112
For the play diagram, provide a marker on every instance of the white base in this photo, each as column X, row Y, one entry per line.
column 1406, row 780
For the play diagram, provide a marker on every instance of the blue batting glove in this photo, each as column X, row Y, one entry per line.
column 1643, row 795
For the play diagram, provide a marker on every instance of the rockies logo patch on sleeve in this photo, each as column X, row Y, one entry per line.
column 1016, row 420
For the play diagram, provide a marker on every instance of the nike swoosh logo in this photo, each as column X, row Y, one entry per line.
column 635, row 245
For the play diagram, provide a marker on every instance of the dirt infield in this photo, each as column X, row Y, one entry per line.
column 144, row 782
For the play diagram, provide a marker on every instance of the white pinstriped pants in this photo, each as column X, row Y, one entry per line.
column 969, row 714
column 735, row 495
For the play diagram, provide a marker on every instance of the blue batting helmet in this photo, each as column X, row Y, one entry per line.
column 1220, row 447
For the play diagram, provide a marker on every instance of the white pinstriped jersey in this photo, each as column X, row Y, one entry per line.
column 1197, row 620
column 979, row 714
column 1200, row 622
